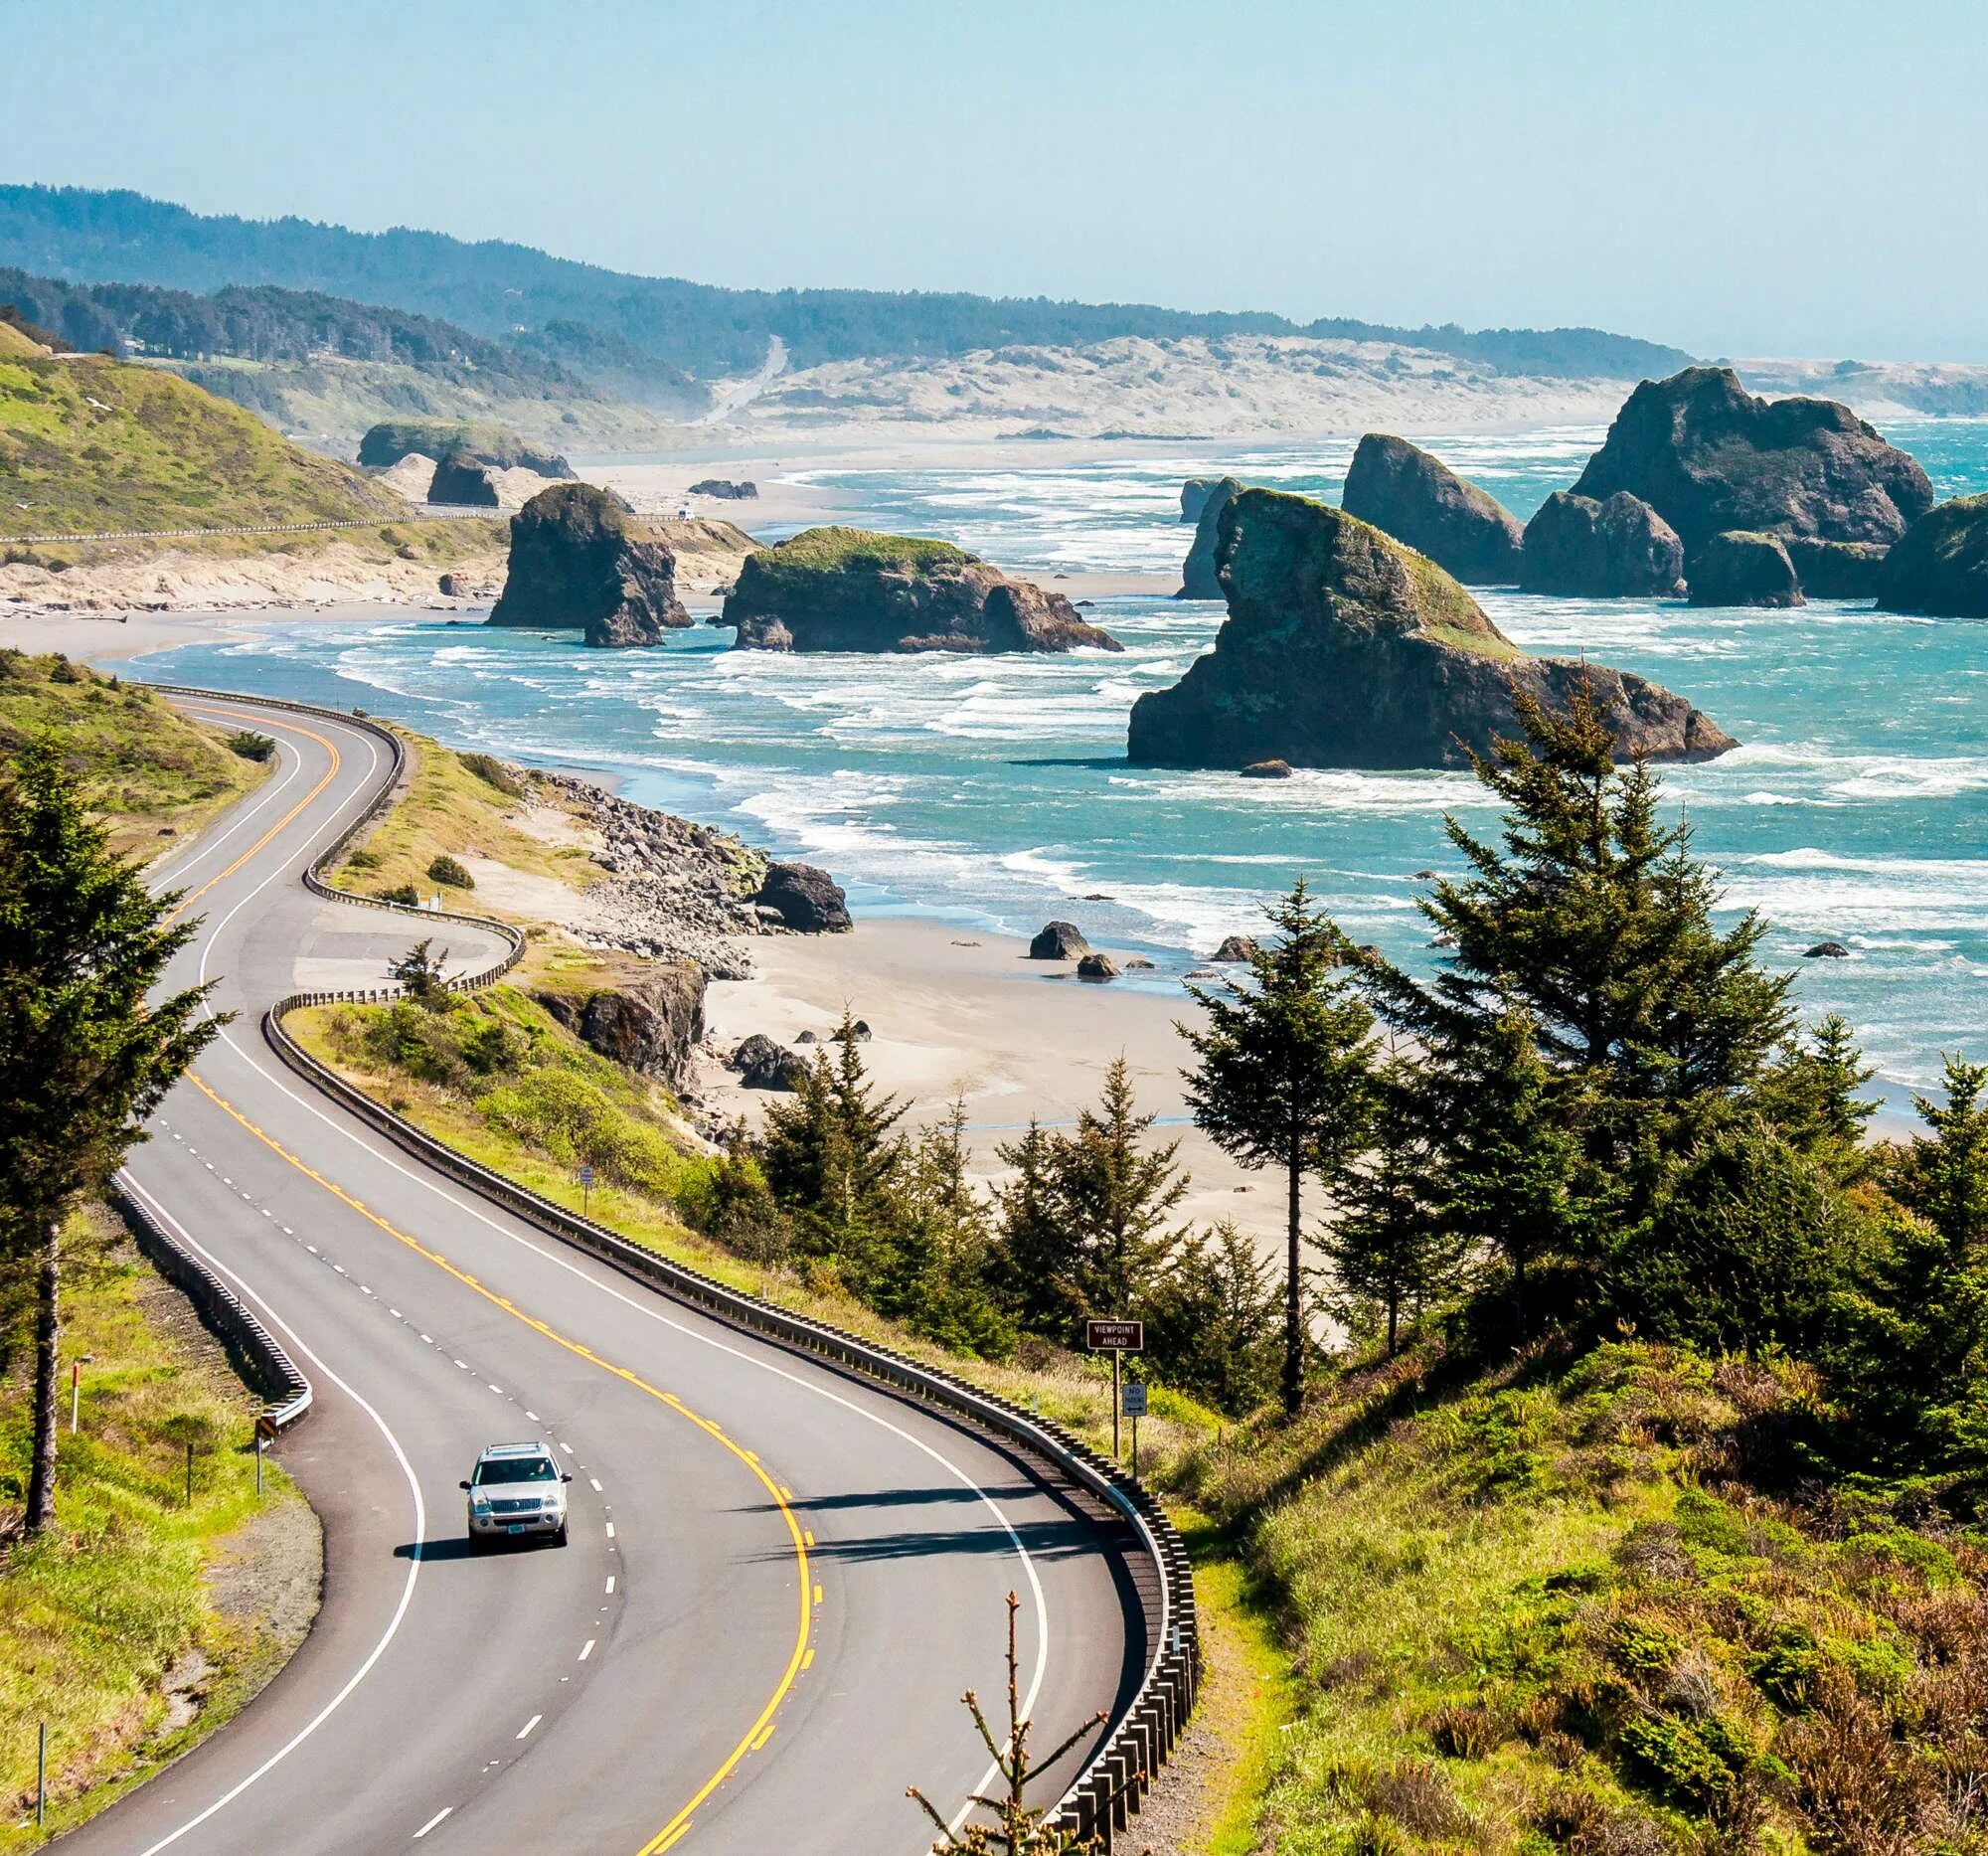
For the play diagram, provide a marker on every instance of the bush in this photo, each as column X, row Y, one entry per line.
column 445, row 870
column 250, row 746
column 493, row 773
column 402, row 893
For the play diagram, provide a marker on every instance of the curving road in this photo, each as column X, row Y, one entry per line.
column 781, row 1579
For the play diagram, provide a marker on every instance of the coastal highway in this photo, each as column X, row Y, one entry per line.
column 781, row 1579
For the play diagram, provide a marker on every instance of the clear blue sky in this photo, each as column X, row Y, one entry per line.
column 1745, row 178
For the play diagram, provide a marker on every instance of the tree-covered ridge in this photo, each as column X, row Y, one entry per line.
column 499, row 289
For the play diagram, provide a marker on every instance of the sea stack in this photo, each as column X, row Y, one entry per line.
column 1614, row 549
column 1344, row 648
column 1744, row 567
column 1416, row 498
column 1198, row 580
column 851, row 590
column 1709, row 458
column 579, row 559
column 1941, row 568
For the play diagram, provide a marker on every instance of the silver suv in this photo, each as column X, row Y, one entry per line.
column 517, row 1490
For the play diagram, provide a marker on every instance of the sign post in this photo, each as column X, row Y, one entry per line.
column 585, row 1188
column 1135, row 1408
column 1120, row 1338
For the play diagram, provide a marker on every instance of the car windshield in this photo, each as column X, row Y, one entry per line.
column 515, row 1470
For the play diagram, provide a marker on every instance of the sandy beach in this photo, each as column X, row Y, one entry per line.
column 957, row 1013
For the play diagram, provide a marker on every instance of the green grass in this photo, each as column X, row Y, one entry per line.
column 1554, row 1609
column 144, row 766
column 93, row 443
column 102, row 1613
column 834, row 549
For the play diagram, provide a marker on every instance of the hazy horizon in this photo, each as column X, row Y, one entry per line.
column 1668, row 175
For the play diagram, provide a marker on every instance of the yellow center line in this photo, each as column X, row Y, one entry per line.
column 761, row 1731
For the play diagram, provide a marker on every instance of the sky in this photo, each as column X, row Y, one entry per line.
column 1806, row 178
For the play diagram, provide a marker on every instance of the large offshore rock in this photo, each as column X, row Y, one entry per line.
column 579, row 559
column 1614, row 549
column 851, row 590
column 652, row 1021
column 806, row 899
column 1743, row 567
column 1198, row 580
column 1195, row 493
column 1344, row 648
column 1416, row 498
column 1941, row 567
column 1835, row 570
column 1708, row 456
column 463, row 482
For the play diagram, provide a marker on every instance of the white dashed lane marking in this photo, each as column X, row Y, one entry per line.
column 528, row 1724
column 433, row 1822
column 586, row 1649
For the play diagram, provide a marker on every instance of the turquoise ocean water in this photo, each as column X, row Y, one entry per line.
column 996, row 791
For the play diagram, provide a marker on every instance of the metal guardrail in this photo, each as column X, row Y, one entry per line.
column 273, row 1373
column 1109, row 1789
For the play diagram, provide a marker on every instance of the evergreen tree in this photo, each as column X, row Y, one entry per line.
column 1943, row 1175
column 85, row 1055
column 1810, row 1097
column 1282, row 1078
column 1391, row 1247
column 1037, row 1259
column 421, row 975
column 946, row 1244
column 1212, row 1326
column 1115, row 1196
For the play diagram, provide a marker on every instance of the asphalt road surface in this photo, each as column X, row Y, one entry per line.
column 779, row 1581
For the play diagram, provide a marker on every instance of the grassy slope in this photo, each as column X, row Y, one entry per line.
column 13, row 346
column 1555, row 1612
column 146, row 767
column 100, row 1615
column 93, row 444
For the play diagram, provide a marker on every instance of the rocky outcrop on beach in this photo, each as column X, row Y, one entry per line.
column 1416, row 497
column 851, row 590
column 578, row 559
column 1343, row 648
column 1709, row 458
column 1059, row 940
column 764, row 1064
column 412, row 477
column 1198, row 580
column 1835, row 570
column 804, row 897
column 1744, row 567
column 1614, row 550
column 463, row 482
column 393, row 440
column 1941, row 568
column 651, row 1019
column 725, row 489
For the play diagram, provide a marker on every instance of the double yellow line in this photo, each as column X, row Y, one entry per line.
column 802, row 1655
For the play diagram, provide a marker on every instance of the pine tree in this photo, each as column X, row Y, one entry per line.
column 1211, row 1328
column 944, row 1247
column 1116, row 1195
column 1391, row 1246
column 84, row 1055
column 1036, row 1261
column 422, row 977
column 1282, row 1078
column 1943, row 1175
column 1810, row 1095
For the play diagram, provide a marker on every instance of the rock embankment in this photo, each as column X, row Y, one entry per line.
column 580, row 560
column 852, row 589
column 1416, row 498
column 1343, row 648
column 651, row 1019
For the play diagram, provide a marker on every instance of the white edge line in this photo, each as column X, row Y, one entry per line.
column 413, row 1563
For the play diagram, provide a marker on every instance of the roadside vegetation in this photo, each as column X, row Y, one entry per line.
column 147, row 770
column 137, row 1623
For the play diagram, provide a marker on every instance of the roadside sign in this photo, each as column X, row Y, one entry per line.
column 1135, row 1398
column 1115, row 1336
column 586, row 1176
column 266, row 1428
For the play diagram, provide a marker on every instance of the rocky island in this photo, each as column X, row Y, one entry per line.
column 1941, row 567
column 1416, row 498
column 852, row 589
column 1710, row 457
column 1344, row 648
column 1198, row 580
column 1612, row 550
column 579, row 559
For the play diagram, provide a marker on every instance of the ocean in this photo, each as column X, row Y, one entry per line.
column 995, row 791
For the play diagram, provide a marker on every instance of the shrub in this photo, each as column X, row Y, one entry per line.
column 250, row 746
column 443, row 869
column 493, row 773
column 402, row 893
column 362, row 860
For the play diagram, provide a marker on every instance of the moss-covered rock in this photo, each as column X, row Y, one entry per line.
column 1416, row 498
column 1614, row 550
column 853, row 589
column 1835, row 570
column 1708, row 456
column 1344, row 648
column 1743, row 567
column 1941, row 565
column 579, row 559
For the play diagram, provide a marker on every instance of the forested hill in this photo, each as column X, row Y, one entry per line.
column 501, row 291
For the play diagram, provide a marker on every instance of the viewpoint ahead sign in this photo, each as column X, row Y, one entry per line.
column 1115, row 1336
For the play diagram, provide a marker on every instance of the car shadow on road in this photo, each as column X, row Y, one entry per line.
column 453, row 1547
